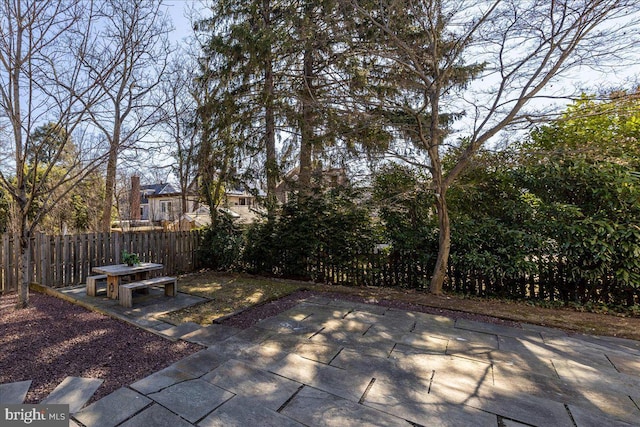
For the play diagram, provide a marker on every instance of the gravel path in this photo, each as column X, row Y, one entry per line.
column 53, row 339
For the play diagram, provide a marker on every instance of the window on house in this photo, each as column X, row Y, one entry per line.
column 165, row 207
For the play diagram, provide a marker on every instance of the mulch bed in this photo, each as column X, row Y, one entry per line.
column 53, row 339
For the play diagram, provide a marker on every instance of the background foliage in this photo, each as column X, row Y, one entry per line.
column 332, row 226
column 555, row 218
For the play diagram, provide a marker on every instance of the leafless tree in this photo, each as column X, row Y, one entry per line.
column 133, row 43
column 42, row 44
column 179, row 124
column 468, row 70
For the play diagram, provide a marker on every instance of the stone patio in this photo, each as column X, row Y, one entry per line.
column 336, row 363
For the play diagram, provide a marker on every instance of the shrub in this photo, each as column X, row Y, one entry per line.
column 322, row 227
column 221, row 244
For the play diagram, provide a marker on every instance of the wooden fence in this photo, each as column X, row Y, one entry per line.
column 60, row 261
column 372, row 268
column 551, row 280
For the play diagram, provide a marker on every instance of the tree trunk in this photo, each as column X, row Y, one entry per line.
column 110, row 183
column 306, row 124
column 440, row 185
column 271, row 166
column 112, row 163
column 270, row 146
column 22, row 239
column 307, row 97
column 23, row 271
column 444, row 245
column 306, row 132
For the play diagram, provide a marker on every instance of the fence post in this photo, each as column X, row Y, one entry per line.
column 5, row 284
column 66, row 259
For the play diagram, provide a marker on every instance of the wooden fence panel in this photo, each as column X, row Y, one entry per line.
column 60, row 261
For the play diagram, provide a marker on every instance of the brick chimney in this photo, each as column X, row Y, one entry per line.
column 134, row 198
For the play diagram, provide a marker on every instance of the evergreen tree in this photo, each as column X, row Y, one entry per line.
column 237, row 111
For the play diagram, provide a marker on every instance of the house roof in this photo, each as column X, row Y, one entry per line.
column 157, row 190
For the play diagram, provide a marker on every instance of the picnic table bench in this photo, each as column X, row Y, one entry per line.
column 126, row 291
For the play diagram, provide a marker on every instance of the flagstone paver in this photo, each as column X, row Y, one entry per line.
column 242, row 412
column 349, row 385
column 323, row 353
column 425, row 342
column 210, row 335
column 73, row 391
column 182, row 329
column 469, row 342
column 161, row 379
column 490, row 328
column 612, row 404
column 520, row 407
column 590, row 418
column 285, row 325
column 192, row 399
column 393, row 367
column 201, row 362
column 332, row 362
column 625, row 364
column 262, row 387
column 113, row 409
column 545, row 332
column 590, row 377
column 614, row 344
column 413, row 402
column 156, row 416
column 315, row 407
column 511, row 423
column 370, row 345
column 14, row 393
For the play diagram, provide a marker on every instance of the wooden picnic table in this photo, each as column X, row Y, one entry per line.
column 115, row 273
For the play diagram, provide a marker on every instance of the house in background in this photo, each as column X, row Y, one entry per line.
column 166, row 204
column 322, row 178
column 191, row 220
column 242, row 205
column 161, row 204
column 157, row 203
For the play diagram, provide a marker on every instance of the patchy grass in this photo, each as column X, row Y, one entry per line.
column 229, row 293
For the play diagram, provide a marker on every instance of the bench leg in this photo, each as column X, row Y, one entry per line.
column 113, row 283
column 170, row 289
column 91, row 286
column 126, row 297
